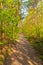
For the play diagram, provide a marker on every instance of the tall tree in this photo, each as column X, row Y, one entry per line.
column 9, row 17
column 2, row 21
column 32, row 19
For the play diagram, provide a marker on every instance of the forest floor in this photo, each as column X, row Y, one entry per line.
column 22, row 54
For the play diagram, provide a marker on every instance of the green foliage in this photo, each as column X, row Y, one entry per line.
column 33, row 27
column 9, row 15
column 33, row 24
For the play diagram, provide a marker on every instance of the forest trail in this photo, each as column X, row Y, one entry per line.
column 23, row 54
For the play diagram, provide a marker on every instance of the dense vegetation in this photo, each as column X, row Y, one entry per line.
column 13, row 22
column 9, row 19
column 33, row 26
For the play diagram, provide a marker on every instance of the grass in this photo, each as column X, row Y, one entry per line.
column 37, row 43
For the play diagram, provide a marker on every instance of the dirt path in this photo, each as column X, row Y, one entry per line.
column 23, row 54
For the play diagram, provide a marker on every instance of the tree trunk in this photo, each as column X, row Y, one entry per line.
column 2, row 24
column 13, row 32
column 2, row 32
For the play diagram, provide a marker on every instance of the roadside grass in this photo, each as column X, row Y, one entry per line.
column 37, row 43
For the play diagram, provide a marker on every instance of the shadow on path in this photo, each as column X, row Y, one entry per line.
column 22, row 54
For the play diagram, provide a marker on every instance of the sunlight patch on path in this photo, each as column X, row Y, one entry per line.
column 23, row 54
